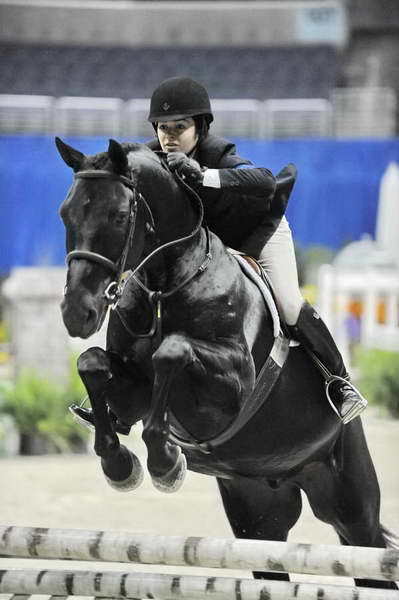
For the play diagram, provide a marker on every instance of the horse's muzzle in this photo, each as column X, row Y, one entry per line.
column 82, row 318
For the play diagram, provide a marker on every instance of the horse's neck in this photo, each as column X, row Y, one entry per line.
column 176, row 263
column 176, row 213
column 176, row 217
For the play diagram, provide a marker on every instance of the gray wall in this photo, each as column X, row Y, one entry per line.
column 177, row 23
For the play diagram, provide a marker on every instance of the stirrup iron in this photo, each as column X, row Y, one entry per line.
column 358, row 406
column 79, row 419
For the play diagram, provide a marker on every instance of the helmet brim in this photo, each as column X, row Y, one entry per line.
column 163, row 118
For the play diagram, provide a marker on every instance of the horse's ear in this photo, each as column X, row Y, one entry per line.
column 118, row 157
column 72, row 157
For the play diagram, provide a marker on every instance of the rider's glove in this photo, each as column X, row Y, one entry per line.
column 187, row 167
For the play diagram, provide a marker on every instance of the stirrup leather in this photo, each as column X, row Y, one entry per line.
column 358, row 406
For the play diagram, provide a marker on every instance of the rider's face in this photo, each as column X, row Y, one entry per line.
column 177, row 136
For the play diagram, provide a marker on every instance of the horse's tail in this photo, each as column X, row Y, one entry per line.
column 391, row 539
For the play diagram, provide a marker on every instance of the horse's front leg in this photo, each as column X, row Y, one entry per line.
column 121, row 467
column 166, row 463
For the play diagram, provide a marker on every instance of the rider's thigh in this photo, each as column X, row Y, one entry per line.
column 278, row 260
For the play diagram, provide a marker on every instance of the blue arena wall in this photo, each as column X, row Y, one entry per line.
column 334, row 201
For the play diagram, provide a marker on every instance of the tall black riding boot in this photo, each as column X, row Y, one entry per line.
column 313, row 333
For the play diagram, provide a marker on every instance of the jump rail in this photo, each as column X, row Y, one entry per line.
column 29, row 597
column 131, row 585
column 249, row 555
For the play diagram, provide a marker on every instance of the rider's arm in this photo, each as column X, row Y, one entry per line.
column 246, row 179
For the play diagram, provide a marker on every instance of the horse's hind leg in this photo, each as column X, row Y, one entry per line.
column 257, row 511
column 346, row 494
column 121, row 467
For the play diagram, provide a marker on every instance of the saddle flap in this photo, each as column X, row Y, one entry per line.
column 260, row 278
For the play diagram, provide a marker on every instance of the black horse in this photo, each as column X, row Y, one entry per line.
column 185, row 344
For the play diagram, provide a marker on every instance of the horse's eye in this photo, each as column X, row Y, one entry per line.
column 119, row 218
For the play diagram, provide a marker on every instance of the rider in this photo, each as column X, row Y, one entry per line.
column 245, row 209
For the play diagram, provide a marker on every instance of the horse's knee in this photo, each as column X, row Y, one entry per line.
column 93, row 358
column 94, row 361
column 175, row 349
column 176, row 353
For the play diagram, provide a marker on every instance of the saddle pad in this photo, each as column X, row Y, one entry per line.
column 264, row 290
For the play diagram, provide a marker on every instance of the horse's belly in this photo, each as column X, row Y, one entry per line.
column 266, row 467
column 262, row 452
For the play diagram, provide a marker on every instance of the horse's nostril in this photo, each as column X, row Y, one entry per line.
column 91, row 315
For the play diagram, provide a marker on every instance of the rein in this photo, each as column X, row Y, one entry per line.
column 156, row 297
column 115, row 289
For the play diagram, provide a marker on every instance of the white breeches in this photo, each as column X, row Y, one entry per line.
column 278, row 260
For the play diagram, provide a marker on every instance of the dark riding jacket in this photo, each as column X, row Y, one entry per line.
column 242, row 212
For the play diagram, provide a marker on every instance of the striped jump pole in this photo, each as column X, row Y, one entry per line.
column 132, row 585
column 29, row 597
column 249, row 555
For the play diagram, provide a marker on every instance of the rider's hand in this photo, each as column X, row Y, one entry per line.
column 187, row 167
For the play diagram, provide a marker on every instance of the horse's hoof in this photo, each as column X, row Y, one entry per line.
column 135, row 477
column 173, row 479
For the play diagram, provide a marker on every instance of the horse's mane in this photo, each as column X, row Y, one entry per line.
column 101, row 160
column 135, row 147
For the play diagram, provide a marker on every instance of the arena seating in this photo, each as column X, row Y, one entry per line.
column 129, row 72
column 257, row 91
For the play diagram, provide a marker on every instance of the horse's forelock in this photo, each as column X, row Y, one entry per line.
column 99, row 161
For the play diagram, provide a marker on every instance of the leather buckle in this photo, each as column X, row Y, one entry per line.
column 112, row 292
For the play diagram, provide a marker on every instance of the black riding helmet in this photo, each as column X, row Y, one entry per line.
column 179, row 98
